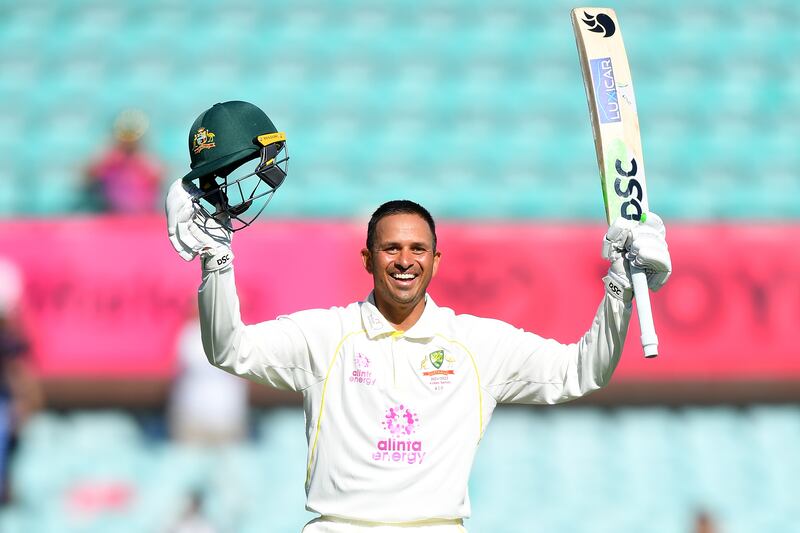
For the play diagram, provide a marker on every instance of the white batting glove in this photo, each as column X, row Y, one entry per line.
column 193, row 233
column 641, row 244
column 649, row 251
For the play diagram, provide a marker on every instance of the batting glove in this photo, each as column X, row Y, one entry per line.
column 194, row 233
column 641, row 244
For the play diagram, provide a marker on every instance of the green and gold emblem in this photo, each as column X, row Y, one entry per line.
column 437, row 358
column 202, row 140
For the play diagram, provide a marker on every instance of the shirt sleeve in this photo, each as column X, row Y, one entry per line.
column 274, row 353
column 520, row 367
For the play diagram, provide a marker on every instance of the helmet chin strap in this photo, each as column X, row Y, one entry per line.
column 244, row 223
column 213, row 194
column 268, row 169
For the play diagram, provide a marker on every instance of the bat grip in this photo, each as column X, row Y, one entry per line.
column 642, row 294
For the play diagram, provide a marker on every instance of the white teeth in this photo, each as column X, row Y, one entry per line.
column 403, row 276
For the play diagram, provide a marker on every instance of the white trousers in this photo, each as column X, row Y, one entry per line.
column 326, row 524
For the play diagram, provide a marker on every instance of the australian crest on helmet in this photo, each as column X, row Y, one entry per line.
column 203, row 140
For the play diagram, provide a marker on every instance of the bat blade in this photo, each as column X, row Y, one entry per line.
column 615, row 126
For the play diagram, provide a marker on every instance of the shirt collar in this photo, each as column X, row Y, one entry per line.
column 376, row 325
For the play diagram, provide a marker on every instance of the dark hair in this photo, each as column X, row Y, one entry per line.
column 398, row 207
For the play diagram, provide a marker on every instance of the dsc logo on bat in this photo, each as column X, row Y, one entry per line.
column 631, row 208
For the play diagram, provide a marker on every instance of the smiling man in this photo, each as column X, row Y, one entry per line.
column 398, row 391
column 401, row 255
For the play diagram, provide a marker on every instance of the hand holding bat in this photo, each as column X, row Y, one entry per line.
column 630, row 245
column 615, row 126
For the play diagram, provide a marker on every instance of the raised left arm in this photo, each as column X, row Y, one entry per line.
column 521, row 367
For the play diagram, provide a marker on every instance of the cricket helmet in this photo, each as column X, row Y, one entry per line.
column 221, row 141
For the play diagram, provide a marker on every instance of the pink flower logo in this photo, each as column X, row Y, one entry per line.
column 361, row 360
column 400, row 420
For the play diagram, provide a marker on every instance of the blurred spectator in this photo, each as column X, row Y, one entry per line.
column 207, row 405
column 704, row 523
column 20, row 394
column 193, row 520
column 124, row 179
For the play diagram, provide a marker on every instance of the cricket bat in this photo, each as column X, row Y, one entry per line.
column 615, row 126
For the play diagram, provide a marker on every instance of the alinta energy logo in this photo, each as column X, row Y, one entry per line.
column 401, row 423
column 600, row 23
column 361, row 373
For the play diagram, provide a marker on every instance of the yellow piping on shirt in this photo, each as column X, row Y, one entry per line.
column 477, row 377
column 322, row 402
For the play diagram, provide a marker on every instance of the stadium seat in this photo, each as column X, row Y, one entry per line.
column 345, row 77
column 573, row 468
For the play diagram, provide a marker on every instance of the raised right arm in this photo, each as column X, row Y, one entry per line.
column 275, row 353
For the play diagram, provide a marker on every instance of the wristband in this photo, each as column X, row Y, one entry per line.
column 618, row 287
column 216, row 259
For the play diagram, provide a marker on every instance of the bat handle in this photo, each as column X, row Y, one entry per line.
column 642, row 294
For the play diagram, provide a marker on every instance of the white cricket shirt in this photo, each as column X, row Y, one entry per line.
column 393, row 419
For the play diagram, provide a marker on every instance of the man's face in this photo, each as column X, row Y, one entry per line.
column 402, row 261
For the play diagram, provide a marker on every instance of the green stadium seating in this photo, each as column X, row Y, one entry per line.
column 574, row 469
column 478, row 108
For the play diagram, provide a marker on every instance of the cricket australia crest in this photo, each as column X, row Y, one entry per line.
column 437, row 358
column 442, row 364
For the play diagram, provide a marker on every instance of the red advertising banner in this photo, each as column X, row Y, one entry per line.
column 106, row 296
